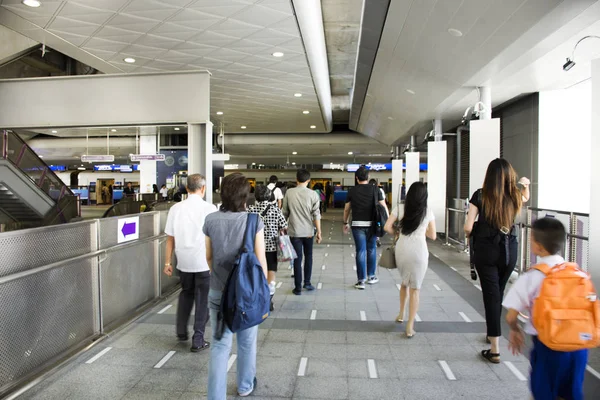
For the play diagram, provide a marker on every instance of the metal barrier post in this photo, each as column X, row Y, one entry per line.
column 447, row 226
column 157, row 261
column 522, row 232
column 573, row 239
column 466, row 249
column 528, row 241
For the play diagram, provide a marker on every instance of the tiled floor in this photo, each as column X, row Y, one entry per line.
column 333, row 343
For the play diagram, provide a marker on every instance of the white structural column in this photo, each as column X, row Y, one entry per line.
column 486, row 99
column 200, row 153
column 397, row 175
column 436, row 181
column 412, row 168
column 147, row 139
column 484, row 146
column 594, row 244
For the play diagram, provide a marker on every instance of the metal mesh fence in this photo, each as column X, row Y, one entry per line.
column 108, row 230
column 43, row 315
column 26, row 249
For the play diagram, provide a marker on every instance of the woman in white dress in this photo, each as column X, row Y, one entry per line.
column 411, row 224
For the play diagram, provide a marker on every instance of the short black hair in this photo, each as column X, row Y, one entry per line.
column 273, row 179
column 302, row 176
column 262, row 193
column 362, row 174
column 373, row 182
column 550, row 233
column 234, row 192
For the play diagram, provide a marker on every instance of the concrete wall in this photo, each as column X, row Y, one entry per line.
column 594, row 150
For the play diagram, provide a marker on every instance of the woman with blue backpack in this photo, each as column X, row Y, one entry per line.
column 238, row 298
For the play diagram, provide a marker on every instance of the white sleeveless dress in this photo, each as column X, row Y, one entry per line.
column 412, row 255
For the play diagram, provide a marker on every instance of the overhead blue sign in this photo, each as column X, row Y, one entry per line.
column 58, row 168
column 380, row 167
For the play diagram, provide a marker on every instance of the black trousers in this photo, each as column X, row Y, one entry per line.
column 303, row 247
column 194, row 290
column 494, row 268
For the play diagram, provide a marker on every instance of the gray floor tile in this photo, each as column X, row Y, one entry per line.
column 383, row 389
column 321, row 388
column 146, row 394
column 275, row 349
column 267, row 366
column 275, row 385
column 411, row 370
column 326, row 351
column 364, row 351
column 333, row 337
column 104, row 375
column 367, row 338
column 322, row 367
column 286, row 336
column 132, row 357
column 167, row 379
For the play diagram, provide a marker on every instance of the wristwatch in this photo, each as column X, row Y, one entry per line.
column 167, row 264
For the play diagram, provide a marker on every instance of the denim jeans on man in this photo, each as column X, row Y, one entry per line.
column 220, row 350
column 366, row 252
column 302, row 246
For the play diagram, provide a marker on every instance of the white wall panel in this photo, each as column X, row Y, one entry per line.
column 397, row 175
column 594, row 182
column 436, row 181
column 147, row 168
column 565, row 119
column 484, row 147
column 412, row 168
column 99, row 100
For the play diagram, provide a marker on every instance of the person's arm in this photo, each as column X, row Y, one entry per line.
column 381, row 199
column 347, row 209
column 259, row 250
column 516, row 338
column 169, row 255
column 431, row 231
column 209, row 256
column 280, row 203
column 316, row 212
column 525, row 189
column 389, row 225
column 285, row 209
column 318, row 225
column 473, row 213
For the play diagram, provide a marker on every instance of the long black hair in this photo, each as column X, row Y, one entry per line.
column 415, row 208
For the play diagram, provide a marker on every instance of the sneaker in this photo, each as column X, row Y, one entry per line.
column 360, row 285
column 372, row 280
column 297, row 292
column 308, row 286
column 249, row 392
column 272, row 288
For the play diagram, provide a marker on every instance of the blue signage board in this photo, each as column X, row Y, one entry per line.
column 57, row 168
column 381, row 167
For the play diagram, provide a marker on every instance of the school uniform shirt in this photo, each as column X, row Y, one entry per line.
column 362, row 201
column 185, row 223
column 164, row 192
column 274, row 221
column 276, row 192
column 526, row 289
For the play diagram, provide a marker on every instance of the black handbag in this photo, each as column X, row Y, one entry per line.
column 380, row 216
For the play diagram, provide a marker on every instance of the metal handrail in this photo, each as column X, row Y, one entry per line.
column 447, row 233
column 57, row 264
column 579, row 214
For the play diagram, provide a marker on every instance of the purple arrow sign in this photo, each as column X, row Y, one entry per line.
column 128, row 229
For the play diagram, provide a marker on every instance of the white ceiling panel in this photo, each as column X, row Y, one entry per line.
column 109, row 5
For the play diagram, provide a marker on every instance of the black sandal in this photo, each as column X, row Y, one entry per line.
column 494, row 358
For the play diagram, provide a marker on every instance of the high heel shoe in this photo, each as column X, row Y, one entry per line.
column 400, row 318
column 411, row 334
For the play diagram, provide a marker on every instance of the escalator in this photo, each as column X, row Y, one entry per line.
column 31, row 194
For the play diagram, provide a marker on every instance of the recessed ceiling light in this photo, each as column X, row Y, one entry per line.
column 410, row 91
column 305, row 112
column 293, row 163
column 297, row 94
column 129, row 60
column 278, row 54
column 350, row 153
column 313, row 127
column 176, row 129
column 113, row 130
column 32, row 3
column 41, row 156
column 253, row 163
column 219, row 112
column 243, row 126
column 455, row 32
column 294, row 152
column 54, row 131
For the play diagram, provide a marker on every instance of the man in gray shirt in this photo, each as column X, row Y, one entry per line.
column 301, row 206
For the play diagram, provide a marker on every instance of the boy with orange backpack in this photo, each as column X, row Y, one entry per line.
column 565, row 316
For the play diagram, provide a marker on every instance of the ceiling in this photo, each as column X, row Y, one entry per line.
column 233, row 39
column 505, row 45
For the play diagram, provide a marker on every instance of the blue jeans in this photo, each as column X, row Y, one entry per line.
column 366, row 252
column 302, row 246
column 220, row 351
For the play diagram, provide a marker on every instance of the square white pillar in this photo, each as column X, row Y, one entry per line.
column 594, row 236
column 484, row 146
column 397, row 175
column 200, row 153
column 436, row 181
column 413, row 160
column 147, row 168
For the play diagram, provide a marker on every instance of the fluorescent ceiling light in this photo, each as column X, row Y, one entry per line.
column 32, row 3
column 305, row 112
column 176, row 129
column 293, row 163
column 350, row 153
column 294, row 152
column 113, row 130
column 253, row 163
column 129, row 60
column 219, row 112
column 313, row 127
column 455, row 32
column 278, row 54
column 297, row 94
column 41, row 156
column 410, row 91
column 54, row 131
column 243, row 126
column 81, row 168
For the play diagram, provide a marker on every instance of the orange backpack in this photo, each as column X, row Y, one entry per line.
column 567, row 312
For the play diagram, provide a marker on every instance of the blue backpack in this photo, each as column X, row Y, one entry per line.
column 246, row 296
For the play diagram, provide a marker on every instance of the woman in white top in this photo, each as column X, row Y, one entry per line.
column 411, row 224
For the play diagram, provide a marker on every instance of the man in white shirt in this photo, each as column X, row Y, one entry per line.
column 277, row 194
column 184, row 229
